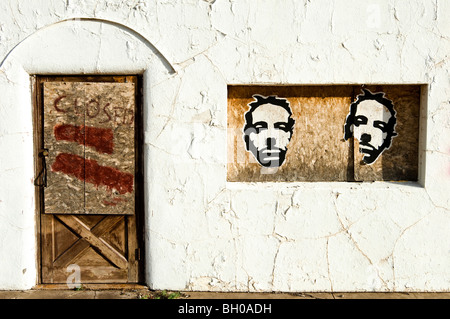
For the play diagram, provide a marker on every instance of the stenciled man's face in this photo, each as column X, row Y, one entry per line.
column 269, row 134
column 371, row 128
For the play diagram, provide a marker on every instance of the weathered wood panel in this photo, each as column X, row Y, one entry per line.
column 90, row 133
column 110, row 166
column 400, row 161
column 98, row 245
column 65, row 181
column 316, row 151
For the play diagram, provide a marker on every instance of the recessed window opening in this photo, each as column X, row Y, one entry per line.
column 314, row 133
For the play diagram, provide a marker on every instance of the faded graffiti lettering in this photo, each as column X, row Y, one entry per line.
column 92, row 108
column 95, row 109
column 56, row 103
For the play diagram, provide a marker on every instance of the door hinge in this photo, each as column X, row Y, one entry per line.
column 137, row 254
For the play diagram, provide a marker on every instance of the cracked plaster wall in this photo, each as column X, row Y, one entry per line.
column 203, row 233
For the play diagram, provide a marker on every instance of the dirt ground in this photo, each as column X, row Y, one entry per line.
column 145, row 293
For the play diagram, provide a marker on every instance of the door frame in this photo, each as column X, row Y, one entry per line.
column 37, row 81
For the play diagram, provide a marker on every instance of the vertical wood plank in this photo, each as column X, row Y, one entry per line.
column 63, row 111
column 110, row 148
column 133, row 262
column 47, row 248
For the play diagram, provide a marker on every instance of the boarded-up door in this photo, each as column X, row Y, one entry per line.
column 89, row 165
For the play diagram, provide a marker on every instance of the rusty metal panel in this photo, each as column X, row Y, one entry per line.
column 313, row 150
column 89, row 131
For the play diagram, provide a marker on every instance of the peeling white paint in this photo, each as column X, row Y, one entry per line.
column 203, row 233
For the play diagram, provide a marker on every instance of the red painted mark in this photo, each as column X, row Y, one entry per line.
column 55, row 103
column 102, row 139
column 89, row 171
column 114, row 201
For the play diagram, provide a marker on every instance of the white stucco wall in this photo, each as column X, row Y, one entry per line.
column 201, row 232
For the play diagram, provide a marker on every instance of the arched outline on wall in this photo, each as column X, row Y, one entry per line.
column 15, row 73
column 139, row 36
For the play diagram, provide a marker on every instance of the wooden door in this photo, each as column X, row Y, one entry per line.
column 89, row 164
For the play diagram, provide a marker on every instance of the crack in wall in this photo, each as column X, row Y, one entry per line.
column 172, row 109
column 395, row 244
column 355, row 244
column 328, row 267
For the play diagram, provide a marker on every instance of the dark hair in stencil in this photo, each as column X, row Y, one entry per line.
column 380, row 98
column 261, row 100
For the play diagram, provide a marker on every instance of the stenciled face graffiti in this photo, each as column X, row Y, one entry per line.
column 268, row 129
column 372, row 122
